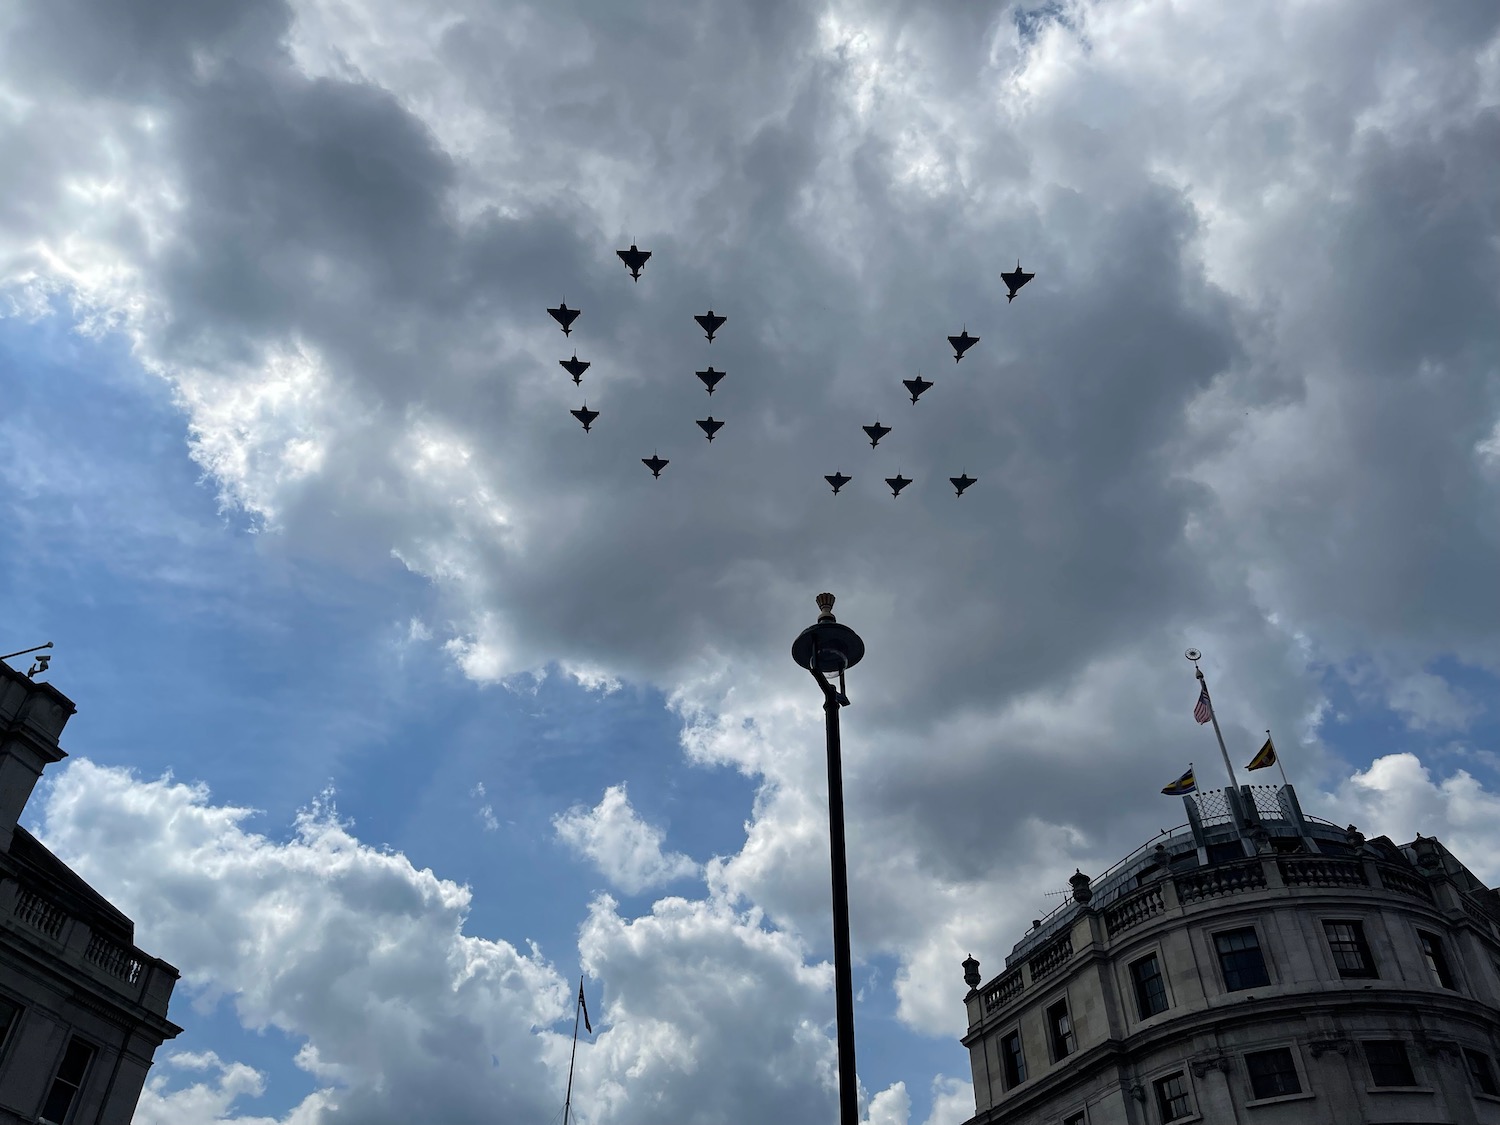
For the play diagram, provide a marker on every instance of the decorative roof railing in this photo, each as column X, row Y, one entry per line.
column 1321, row 871
column 119, row 961
column 1223, row 879
column 1132, row 911
column 39, row 914
column 1403, row 882
column 114, row 958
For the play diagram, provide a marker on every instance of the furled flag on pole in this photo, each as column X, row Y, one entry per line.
column 1265, row 756
column 1184, row 784
column 584, row 1004
column 1205, row 710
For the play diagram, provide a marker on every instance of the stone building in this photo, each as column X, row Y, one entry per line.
column 81, row 1009
column 1256, row 966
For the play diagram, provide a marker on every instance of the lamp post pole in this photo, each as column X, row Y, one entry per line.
column 822, row 648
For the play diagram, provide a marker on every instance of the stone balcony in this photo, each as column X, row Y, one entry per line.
column 31, row 917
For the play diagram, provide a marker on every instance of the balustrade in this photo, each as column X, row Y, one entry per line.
column 1004, row 990
column 40, row 914
column 1226, row 878
column 1403, row 882
column 113, row 958
column 1047, row 961
column 1132, row 911
column 1322, row 871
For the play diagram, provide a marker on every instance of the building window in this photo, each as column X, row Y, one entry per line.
column 1389, row 1065
column 1240, row 960
column 1013, row 1060
column 1150, row 989
column 1172, row 1097
column 1079, row 1118
column 1482, row 1074
column 10, row 1015
column 1272, row 1073
column 1351, row 955
column 1432, row 950
column 66, row 1084
column 1060, row 1028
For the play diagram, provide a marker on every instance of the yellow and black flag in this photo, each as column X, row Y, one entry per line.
column 1265, row 756
column 1184, row 784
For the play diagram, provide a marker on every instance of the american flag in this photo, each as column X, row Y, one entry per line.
column 1204, row 711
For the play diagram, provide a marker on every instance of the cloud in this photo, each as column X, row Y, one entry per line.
column 705, row 1013
column 213, row 1100
column 1397, row 797
column 626, row 849
column 346, row 947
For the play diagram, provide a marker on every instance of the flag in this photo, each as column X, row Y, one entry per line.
column 1204, row 711
column 1265, row 756
column 584, row 1004
column 1184, row 784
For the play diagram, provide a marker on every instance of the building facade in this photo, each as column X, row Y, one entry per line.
column 82, row 1010
column 1254, row 966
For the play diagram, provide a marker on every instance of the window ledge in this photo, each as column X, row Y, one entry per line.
column 1399, row 1090
column 1279, row 1098
column 1487, row 1097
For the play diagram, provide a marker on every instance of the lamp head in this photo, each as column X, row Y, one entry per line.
column 826, row 645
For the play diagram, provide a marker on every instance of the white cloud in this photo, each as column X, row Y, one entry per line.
column 332, row 941
column 952, row 1101
column 626, row 849
column 1397, row 797
column 213, row 1101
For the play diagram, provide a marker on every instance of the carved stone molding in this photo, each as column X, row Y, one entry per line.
column 1202, row 1064
column 1438, row 1048
column 1335, row 1043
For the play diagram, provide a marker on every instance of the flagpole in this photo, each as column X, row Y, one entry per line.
column 1213, row 715
column 568, row 1099
column 1279, row 766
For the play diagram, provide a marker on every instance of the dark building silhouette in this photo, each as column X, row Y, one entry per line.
column 82, row 1010
column 1256, row 967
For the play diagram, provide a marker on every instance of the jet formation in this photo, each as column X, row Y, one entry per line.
column 635, row 260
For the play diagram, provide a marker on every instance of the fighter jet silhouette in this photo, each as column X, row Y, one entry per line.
column 575, row 367
column 655, row 464
column 710, row 426
column 564, row 316
column 634, row 259
column 710, row 323
column 586, row 416
column 962, row 344
column 916, row 386
column 1014, row 281
column 897, row 483
column 838, row 480
column 710, row 377
column 876, row 432
column 961, row 483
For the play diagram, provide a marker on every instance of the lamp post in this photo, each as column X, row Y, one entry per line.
column 821, row 648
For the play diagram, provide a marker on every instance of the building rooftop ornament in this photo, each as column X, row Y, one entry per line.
column 1081, row 890
column 971, row 972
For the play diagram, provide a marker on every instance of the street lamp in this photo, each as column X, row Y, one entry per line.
column 822, row 648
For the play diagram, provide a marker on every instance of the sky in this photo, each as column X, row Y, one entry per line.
column 403, row 703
